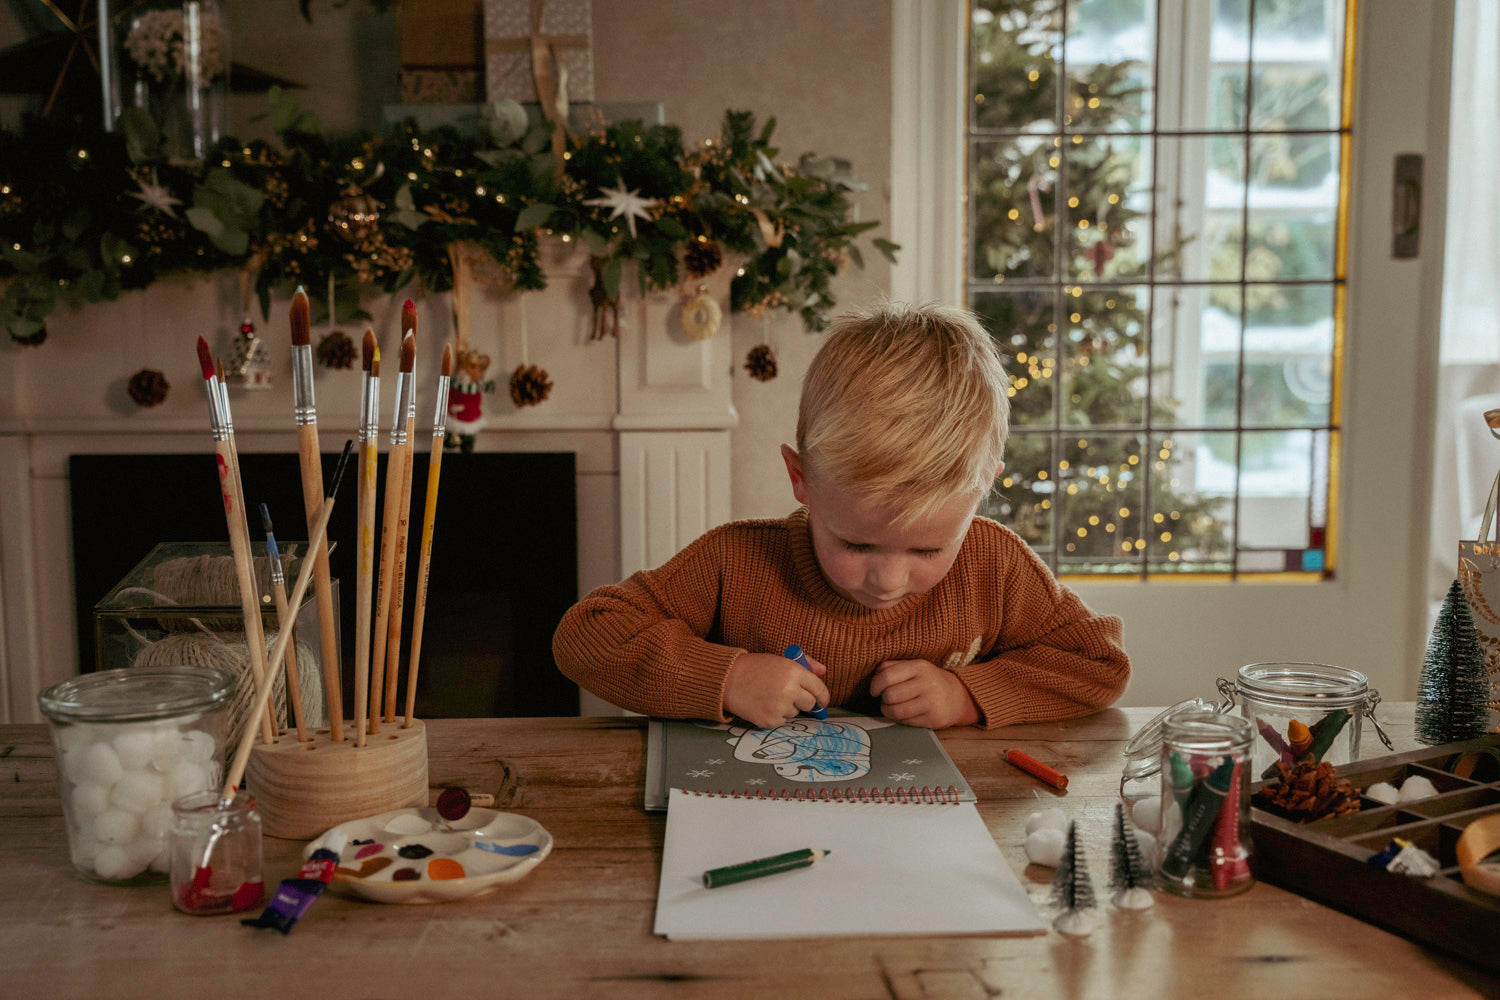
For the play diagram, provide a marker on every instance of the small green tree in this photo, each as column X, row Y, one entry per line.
column 1072, row 889
column 1128, row 869
column 1453, row 696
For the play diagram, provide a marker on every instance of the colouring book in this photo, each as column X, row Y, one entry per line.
column 891, row 869
column 847, row 757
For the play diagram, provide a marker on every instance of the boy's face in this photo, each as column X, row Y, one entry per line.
column 864, row 554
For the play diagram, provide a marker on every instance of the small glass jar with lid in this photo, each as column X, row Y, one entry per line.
column 1204, row 848
column 129, row 743
column 1139, row 786
column 1301, row 710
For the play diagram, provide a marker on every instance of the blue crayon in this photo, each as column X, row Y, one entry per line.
column 794, row 652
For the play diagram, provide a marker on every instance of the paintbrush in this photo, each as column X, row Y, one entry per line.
column 236, row 772
column 305, row 411
column 429, row 513
column 284, row 622
column 403, row 521
column 369, row 461
column 395, row 467
column 222, row 427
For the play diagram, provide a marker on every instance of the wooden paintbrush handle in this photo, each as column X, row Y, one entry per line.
column 398, row 580
column 369, row 467
column 394, row 467
column 244, row 568
column 424, row 562
column 311, row 460
column 293, row 682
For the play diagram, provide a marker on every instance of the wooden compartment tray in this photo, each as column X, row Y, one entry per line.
column 1327, row 860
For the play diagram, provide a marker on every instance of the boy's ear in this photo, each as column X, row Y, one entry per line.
column 794, row 472
column 999, row 470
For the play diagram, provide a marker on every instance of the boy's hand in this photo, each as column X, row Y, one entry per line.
column 920, row 693
column 766, row 690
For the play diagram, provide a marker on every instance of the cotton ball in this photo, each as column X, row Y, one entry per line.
column 154, row 822
column 116, row 826
column 84, row 850
column 115, row 862
column 137, row 791
column 135, row 745
column 1384, row 792
column 1416, row 787
column 95, row 763
column 88, row 801
column 1148, row 845
column 200, row 745
column 146, row 847
column 1171, row 823
column 168, row 746
column 1047, row 819
column 1145, row 813
column 72, row 738
column 1045, row 846
column 162, row 863
column 187, row 778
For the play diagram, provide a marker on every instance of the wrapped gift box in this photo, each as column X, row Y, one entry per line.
column 510, row 25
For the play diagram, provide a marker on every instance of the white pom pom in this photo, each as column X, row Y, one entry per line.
column 1148, row 845
column 134, row 745
column 1045, row 846
column 115, row 862
column 84, row 849
column 1171, row 823
column 145, row 848
column 1146, row 813
column 137, row 791
column 1416, row 787
column 88, row 801
column 1047, row 819
column 1383, row 791
column 116, row 826
column 188, row 777
column 98, row 764
column 72, row 738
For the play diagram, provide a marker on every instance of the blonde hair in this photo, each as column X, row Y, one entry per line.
column 906, row 405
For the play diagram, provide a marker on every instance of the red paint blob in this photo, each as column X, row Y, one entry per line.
column 405, row 875
column 453, row 804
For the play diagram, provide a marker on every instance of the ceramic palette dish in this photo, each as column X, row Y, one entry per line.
column 416, row 856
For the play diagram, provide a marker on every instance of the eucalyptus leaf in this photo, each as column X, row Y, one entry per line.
column 534, row 215
column 887, row 248
column 142, row 137
column 76, row 224
column 23, row 261
column 205, row 221
column 597, row 242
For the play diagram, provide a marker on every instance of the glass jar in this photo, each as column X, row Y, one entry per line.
column 1204, row 848
column 180, row 55
column 1298, row 709
column 128, row 743
column 215, row 854
column 1139, row 786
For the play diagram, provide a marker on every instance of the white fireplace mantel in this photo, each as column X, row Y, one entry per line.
column 648, row 415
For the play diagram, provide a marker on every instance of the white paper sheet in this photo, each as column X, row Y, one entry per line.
column 894, row 869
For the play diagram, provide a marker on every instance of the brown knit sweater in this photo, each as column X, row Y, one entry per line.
column 662, row 642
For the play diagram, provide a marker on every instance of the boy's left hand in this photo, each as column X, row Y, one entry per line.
column 920, row 693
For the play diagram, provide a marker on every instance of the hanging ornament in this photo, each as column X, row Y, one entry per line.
column 606, row 309
column 702, row 257
column 701, row 315
column 761, row 363
column 354, row 217
column 153, row 195
column 1101, row 253
column 466, row 399
column 33, row 339
column 148, row 387
column 336, row 350
column 250, row 364
column 621, row 203
column 529, row 385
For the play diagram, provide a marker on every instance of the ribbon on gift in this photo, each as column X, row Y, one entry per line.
column 548, row 72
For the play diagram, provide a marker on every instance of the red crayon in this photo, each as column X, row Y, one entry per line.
column 1032, row 766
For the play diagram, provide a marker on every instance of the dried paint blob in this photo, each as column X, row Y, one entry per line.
column 444, row 868
column 453, row 804
column 414, row 851
column 365, row 870
column 369, row 848
column 405, row 875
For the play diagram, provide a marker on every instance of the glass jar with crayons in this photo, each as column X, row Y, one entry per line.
column 1302, row 709
column 1204, row 848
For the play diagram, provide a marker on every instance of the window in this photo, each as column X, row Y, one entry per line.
column 1156, row 203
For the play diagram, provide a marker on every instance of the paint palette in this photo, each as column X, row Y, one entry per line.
column 416, row 856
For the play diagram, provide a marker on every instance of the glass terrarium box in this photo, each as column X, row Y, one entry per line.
column 181, row 605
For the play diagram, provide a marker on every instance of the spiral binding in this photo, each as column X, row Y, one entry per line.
column 904, row 795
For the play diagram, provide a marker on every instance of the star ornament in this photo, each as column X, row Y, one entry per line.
column 155, row 195
column 622, row 203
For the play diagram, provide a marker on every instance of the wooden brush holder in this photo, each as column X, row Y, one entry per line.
column 304, row 788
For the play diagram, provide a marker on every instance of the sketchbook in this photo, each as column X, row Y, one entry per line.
column 891, row 869
column 848, row 757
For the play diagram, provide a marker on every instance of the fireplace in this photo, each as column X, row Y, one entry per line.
column 504, row 559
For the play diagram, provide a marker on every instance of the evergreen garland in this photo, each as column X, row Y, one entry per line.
column 1453, row 695
column 1072, row 889
column 1128, row 869
column 86, row 214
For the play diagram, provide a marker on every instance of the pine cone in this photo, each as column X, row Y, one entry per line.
column 761, row 363
column 148, row 387
column 529, row 385
column 336, row 350
column 702, row 257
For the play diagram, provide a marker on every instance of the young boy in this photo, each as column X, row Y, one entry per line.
column 885, row 576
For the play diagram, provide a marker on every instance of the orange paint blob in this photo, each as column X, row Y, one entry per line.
column 444, row 868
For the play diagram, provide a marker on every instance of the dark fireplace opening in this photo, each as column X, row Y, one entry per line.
column 504, row 559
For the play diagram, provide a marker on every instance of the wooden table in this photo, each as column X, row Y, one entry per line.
column 580, row 925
